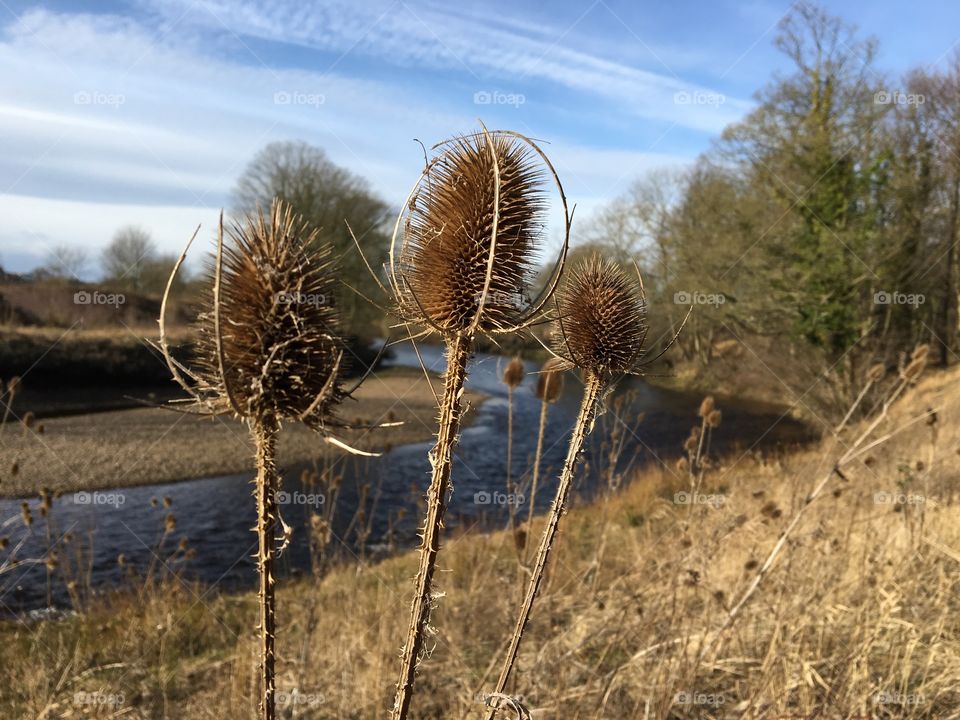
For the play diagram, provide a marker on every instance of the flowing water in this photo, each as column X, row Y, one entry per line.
column 217, row 513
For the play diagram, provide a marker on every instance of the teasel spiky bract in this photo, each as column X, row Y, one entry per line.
column 462, row 261
column 601, row 326
column 268, row 351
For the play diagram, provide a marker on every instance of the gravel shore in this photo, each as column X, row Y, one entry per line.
column 151, row 445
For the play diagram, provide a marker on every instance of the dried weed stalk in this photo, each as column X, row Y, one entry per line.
column 601, row 329
column 462, row 261
column 269, row 350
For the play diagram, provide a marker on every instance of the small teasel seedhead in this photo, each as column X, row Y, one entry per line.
column 714, row 418
column 602, row 319
column 550, row 380
column 876, row 373
column 514, row 373
column 706, row 406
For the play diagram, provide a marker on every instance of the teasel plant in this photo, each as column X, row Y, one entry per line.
column 463, row 261
column 549, row 387
column 512, row 377
column 269, row 350
column 600, row 329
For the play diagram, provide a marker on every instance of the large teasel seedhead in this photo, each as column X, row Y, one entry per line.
column 268, row 335
column 467, row 244
column 281, row 348
column 602, row 319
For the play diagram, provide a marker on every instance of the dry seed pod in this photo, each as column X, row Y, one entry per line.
column 920, row 351
column 683, row 465
column 915, row 368
column 514, row 373
column 465, row 251
column 278, row 352
column 876, row 373
column 550, row 380
column 603, row 320
column 714, row 419
column 706, row 406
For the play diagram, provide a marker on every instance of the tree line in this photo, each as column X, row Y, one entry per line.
column 826, row 219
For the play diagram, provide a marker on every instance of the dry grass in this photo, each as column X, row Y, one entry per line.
column 858, row 617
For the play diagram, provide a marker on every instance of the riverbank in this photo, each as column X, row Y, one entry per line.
column 151, row 445
column 857, row 617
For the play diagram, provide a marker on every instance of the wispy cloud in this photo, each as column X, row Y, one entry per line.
column 160, row 111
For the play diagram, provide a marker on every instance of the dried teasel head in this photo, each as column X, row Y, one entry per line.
column 602, row 320
column 269, row 343
column 714, row 418
column 514, row 373
column 876, row 373
column 550, row 380
column 466, row 247
column 706, row 406
column 916, row 367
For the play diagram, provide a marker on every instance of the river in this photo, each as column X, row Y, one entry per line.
column 216, row 514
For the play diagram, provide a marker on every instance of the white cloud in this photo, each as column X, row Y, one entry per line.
column 406, row 35
column 33, row 226
column 109, row 121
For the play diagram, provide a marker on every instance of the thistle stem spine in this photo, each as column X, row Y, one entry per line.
column 458, row 352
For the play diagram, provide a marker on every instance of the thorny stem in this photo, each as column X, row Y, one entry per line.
column 511, row 510
column 265, row 436
column 544, row 406
column 591, row 395
column 458, row 351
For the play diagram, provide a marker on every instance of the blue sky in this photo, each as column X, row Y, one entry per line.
column 146, row 112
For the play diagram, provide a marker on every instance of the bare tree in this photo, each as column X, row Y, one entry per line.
column 328, row 197
column 127, row 257
column 65, row 262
